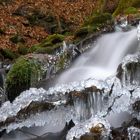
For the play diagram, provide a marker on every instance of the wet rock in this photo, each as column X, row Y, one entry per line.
column 90, row 137
column 2, row 132
column 136, row 106
column 121, row 133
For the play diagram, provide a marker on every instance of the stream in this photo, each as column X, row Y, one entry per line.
column 97, row 67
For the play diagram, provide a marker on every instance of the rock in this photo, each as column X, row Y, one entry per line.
column 136, row 106
column 122, row 132
column 98, row 129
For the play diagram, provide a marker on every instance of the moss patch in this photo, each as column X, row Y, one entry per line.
column 84, row 31
column 49, row 45
column 22, row 75
column 8, row 54
column 93, row 24
column 131, row 10
column 22, row 50
column 126, row 6
column 52, row 40
column 97, row 19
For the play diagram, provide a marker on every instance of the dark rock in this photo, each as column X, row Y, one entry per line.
column 121, row 133
column 2, row 132
column 136, row 106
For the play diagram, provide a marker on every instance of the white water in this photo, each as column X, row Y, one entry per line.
column 103, row 58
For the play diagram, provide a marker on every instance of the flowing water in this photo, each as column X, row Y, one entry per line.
column 100, row 62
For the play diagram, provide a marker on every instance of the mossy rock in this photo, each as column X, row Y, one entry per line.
column 16, row 39
column 52, row 40
column 42, row 50
column 23, row 74
column 49, row 45
column 22, row 50
column 45, row 50
column 8, row 54
column 131, row 10
column 84, row 31
column 97, row 19
column 125, row 4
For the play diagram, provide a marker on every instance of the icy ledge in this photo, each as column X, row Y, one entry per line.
column 54, row 96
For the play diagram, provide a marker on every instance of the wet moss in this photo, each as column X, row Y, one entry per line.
column 49, row 45
column 126, row 5
column 131, row 10
column 97, row 19
column 8, row 54
column 22, row 75
column 93, row 24
column 22, row 50
column 52, row 40
column 84, row 31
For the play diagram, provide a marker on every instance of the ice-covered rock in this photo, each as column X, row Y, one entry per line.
column 128, row 71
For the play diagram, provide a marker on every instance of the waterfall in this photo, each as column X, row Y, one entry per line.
column 103, row 58
column 78, row 96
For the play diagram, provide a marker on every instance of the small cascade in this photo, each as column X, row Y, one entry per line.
column 102, row 60
column 90, row 102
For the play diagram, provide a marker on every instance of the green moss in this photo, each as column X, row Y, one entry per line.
column 125, row 4
column 22, row 50
column 52, row 40
column 7, row 53
column 21, row 76
column 92, row 24
column 131, row 10
column 48, row 50
column 49, row 45
column 84, row 31
column 97, row 19
column 61, row 63
column 16, row 39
